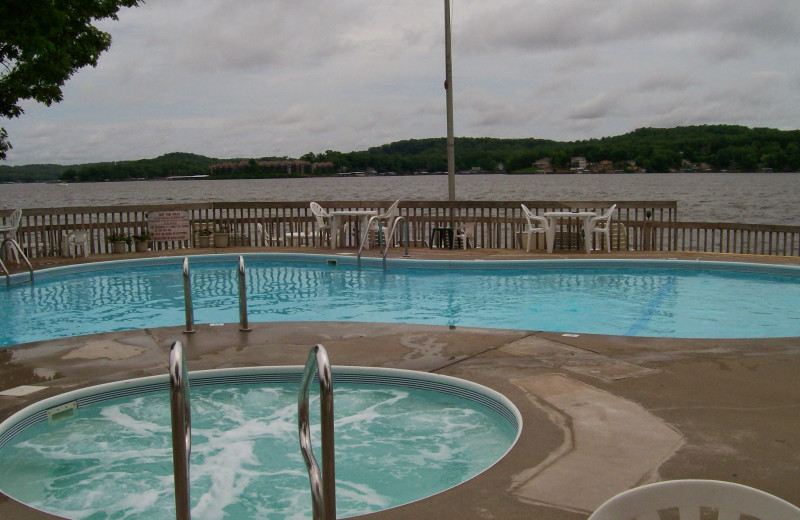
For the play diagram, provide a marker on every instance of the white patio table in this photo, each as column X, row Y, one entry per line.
column 337, row 220
column 553, row 216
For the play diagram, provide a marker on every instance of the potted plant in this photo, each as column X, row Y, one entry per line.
column 204, row 238
column 142, row 241
column 118, row 241
column 221, row 237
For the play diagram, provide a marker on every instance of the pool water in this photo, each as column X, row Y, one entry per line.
column 663, row 299
column 394, row 444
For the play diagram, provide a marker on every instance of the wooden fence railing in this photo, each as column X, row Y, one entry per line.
column 638, row 225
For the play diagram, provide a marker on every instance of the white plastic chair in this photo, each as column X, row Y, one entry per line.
column 76, row 239
column 323, row 221
column 267, row 238
column 466, row 234
column 9, row 231
column 601, row 225
column 537, row 224
column 687, row 497
column 386, row 221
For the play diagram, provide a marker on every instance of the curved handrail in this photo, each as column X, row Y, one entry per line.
column 187, row 297
column 323, row 486
column 21, row 253
column 181, row 428
column 366, row 235
column 391, row 234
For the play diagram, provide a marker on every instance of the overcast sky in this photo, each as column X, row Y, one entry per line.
column 254, row 78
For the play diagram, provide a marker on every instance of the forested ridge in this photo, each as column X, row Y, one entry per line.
column 689, row 148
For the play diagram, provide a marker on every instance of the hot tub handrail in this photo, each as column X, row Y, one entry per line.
column 21, row 253
column 187, row 297
column 181, row 428
column 391, row 234
column 323, row 486
column 243, row 323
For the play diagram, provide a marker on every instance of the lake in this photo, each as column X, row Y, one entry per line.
column 763, row 198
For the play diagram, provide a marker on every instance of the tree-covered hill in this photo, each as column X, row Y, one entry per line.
column 693, row 148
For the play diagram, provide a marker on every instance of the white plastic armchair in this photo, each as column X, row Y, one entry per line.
column 601, row 225
column 323, row 221
column 9, row 231
column 687, row 497
column 537, row 224
column 386, row 220
column 76, row 239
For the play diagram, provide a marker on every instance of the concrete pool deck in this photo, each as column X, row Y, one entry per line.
column 601, row 413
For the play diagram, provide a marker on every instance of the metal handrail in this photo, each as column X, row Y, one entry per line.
column 187, row 297
column 391, row 234
column 181, row 428
column 243, row 325
column 20, row 252
column 323, row 486
column 366, row 235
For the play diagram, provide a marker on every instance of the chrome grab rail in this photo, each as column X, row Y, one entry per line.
column 181, row 428
column 391, row 234
column 187, row 297
column 323, row 487
column 243, row 325
column 21, row 253
column 366, row 235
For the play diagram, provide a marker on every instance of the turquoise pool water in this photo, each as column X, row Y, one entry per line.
column 634, row 298
column 399, row 436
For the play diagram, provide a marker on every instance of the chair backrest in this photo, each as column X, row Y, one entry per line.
column 319, row 214
column 16, row 216
column 687, row 497
column 607, row 215
column 534, row 221
column 78, row 237
column 393, row 211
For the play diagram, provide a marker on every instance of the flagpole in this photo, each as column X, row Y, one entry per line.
column 448, row 85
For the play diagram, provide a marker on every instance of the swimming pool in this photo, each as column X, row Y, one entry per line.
column 400, row 436
column 620, row 297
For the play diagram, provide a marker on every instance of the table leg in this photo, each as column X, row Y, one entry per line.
column 587, row 236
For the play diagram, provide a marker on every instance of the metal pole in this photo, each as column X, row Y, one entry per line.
column 181, row 429
column 448, row 85
column 187, row 297
column 243, row 325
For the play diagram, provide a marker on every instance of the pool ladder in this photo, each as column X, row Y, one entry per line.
column 244, row 326
column 384, row 252
column 323, row 484
column 20, row 252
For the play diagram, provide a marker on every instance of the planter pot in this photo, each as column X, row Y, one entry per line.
column 204, row 241
column 118, row 247
column 142, row 246
column 221, row 239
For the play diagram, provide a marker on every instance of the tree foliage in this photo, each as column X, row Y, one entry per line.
column 43, row 43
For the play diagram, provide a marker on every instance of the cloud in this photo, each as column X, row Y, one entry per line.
column 252, row 78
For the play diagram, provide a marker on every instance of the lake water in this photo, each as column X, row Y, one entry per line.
column 764, row 198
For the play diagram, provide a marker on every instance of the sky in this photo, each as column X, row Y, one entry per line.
column 259, row 78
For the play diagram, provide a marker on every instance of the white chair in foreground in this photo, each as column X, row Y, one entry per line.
column 267, row 238
column 601, row 225
column 687, row 497
column 537, row 224
column 76, row 239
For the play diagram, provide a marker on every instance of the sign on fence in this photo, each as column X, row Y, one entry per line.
column 169, row 225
